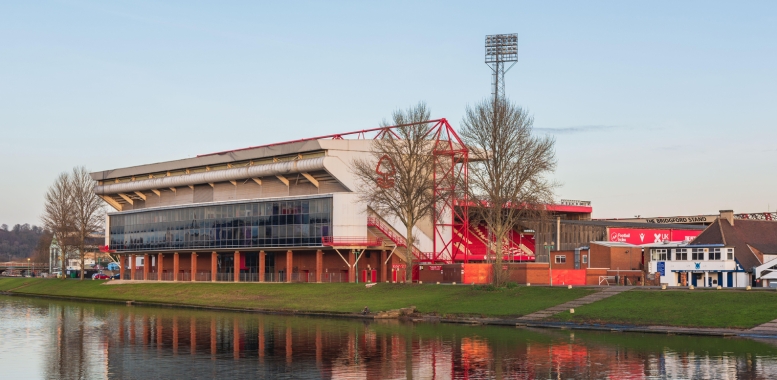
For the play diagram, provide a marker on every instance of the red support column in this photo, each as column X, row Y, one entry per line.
column 160, row 266
column 261, row 265
column 383, row 264
column 236, row 266
column 146, row 266
column 133, row 269
column 319, row 264
column 122, row 264
column 214, row 259
column 289, row 264
column 176, row 267
column 194, row 266
column 352, row 268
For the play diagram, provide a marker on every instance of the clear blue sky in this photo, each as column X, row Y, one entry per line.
column 659, row 108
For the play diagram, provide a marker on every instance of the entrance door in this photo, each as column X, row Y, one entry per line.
column 694, row 276
column 730, row 279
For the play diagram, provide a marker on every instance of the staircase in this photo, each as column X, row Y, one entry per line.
column 383, row 230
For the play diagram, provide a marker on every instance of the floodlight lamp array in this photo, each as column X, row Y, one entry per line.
column 502, row 48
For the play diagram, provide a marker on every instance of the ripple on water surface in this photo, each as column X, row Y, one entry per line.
column 65, row 340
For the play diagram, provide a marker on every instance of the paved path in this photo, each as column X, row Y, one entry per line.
column 591, row 298
column 768, row 328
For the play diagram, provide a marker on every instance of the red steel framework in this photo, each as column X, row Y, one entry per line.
column 451, row 159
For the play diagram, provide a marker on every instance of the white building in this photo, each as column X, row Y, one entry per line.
column 683, row 264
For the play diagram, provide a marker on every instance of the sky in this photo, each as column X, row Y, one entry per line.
column 658, row 108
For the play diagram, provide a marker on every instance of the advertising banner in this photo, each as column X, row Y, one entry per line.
column 640, row 236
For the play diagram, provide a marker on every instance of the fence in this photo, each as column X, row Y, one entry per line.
column 334, row 277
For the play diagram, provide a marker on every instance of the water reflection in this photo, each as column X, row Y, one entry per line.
column 52, row 339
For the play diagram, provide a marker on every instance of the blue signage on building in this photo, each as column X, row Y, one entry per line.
column 662, row 268
column 698, row 265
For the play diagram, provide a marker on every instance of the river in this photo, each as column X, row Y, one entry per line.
column 51, row 339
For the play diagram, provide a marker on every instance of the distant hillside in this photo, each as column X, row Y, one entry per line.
column 22, row 241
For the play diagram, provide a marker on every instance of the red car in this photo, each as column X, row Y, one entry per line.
column 100, row 276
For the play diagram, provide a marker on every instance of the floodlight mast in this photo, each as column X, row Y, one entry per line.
column 501, row 49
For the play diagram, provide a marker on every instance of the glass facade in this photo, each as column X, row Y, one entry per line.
column 262, row 224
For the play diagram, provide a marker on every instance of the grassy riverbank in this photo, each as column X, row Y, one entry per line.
column 338, row 298
column 697, row 308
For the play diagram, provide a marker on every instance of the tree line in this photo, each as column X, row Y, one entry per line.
column 23, row 241
column 73, row 212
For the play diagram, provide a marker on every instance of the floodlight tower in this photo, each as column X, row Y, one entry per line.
column 501, row 49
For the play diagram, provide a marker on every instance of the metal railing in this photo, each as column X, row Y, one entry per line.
column 303, row 277
column 202, row 276
column 152, row 276
column 186, row 276
column 351, row 241
column 334, row 277
column 167, row 276
column 399, row 240
column 225, row 277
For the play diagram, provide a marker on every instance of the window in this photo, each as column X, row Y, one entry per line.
column 715, row 254
column 561, row 259
column 241, row 225
column 585, row 259
column 659, row 255
column 697, row 254
column 730, row 254
column 681, row 254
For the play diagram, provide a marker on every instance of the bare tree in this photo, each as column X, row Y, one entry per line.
column 88, row 211
column 58, row 216
column 507, row 173
column 406, row 191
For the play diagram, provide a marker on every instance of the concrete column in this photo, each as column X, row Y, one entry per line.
column 352, row 269
column 289, row 264
column 146, row 266
column 262, row 268
column 383, row 255
column 160, row 266
column 175, row 266
column 236, row 266
column 319, row 264
column 194, row 266
column 122, row 264
column 214, row 266
column 133, row 260
column 706, row 283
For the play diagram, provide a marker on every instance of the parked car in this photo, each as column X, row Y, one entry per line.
column 116, row 276
column 100, row 276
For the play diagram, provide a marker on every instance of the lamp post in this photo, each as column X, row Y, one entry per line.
column 550, row 262
column 29, row 270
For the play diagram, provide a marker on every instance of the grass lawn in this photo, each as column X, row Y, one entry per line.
column 347, row 298
column 728, row 309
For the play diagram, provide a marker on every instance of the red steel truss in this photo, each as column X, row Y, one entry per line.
column 451, row 158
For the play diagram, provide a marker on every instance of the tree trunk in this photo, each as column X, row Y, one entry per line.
column 63, row 256
column 409, row 255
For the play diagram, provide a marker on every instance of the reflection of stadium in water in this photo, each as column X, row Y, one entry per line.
column 106, row 341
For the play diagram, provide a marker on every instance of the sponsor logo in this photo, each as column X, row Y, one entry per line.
column 698, row 265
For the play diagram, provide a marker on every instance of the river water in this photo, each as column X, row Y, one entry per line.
column 41, row 338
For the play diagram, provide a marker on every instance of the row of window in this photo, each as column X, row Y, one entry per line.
column 297, row 223
column 562, row 259
column 693, row 254
column 217, row 212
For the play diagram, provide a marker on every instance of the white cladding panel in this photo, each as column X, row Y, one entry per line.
column 349, row 216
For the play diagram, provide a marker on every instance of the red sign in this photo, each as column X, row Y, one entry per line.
column 640, row 236
column 386, row 171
